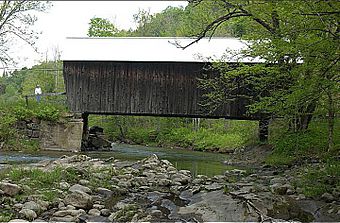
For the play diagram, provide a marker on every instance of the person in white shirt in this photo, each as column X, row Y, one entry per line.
column 38, row 92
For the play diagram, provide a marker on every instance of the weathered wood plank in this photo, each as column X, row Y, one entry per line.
column 140, row 88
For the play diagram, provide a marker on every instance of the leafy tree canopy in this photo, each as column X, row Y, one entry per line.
column 299, row 40
column 16, row 21
column 100, row 27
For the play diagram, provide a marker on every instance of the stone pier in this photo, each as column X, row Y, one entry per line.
column 61, row 136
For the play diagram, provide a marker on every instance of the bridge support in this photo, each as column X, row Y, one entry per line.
column 263, row 130
column 85, row 135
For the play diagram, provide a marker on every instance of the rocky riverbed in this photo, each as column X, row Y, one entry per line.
column 97, row 190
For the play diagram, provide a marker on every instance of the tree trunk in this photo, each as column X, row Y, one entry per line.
column 330, row 121
column 301, row 122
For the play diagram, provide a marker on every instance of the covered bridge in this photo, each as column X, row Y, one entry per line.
column 143, row 76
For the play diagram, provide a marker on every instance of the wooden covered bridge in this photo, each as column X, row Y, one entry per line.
column 143, row 76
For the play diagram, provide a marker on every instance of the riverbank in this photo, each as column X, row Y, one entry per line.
column 213, row 135
column 78, row 188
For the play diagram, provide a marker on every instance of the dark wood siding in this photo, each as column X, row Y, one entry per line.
column 139, row 88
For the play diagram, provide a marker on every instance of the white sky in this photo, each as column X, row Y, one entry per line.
column 71, row 19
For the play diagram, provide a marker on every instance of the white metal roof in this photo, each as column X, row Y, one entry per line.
column 149, row 49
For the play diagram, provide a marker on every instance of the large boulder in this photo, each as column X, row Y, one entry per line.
column 79, row 199
column 10, row 189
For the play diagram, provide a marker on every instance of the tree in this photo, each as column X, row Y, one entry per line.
column 100, row 27
column 172, row 21
column 16, row 20
column 299, row 40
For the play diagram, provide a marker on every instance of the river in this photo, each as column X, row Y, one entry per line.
column 199, row 163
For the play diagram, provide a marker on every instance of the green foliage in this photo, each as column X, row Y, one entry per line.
column 48, row 113
column 299, row 44
column 38, row 178
column 5, row 216
column 290, row 147
column 51, row 195
column 13, row 106
column 321, row 179
column 6, row 126
column 47, row 74
column 211, row 135
column 101, row 28
column 172, row 21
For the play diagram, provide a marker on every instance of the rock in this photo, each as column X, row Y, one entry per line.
column 84, row 182
column 218, row 207
column 94, row 212
column 164, row 182
column 31, row 205
column 280, row 189
column 186, row 195
column 235, row 172
column 213, row 186
column 98, row 206
column 185, row 172
column 156, row 213
column 167, row 163
column 112, row 217
column 105, row 212
column 79, row 199
column 75, row 213
column 290, row 192
column 70, row 207
column 18, row 206
column 142, row 181
column 172, row 208
column 17, row 220
column 278, row 180
column 10, row 189
column 98, row 142
column 78, row 187
column 61, row 205
column 219, row 178
column 180, row 178
column 67, row 218
column 64, row 185
column 28, row 214
column 40, row 220
column 301, row 197
column 103, row 191
column 327, row 197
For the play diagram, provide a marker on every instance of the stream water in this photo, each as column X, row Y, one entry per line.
column 204, row 163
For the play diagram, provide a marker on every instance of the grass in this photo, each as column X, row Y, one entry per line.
column 212, row 135
column 290, row 147
column 321, row 179
column 5, row 216
column 40, row 180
